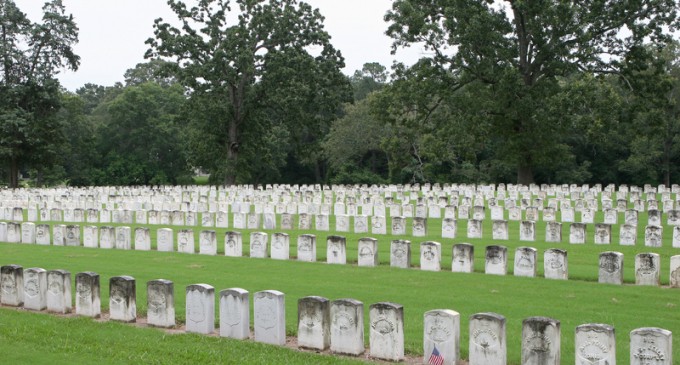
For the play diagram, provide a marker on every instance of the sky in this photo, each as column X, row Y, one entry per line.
column 112, row 34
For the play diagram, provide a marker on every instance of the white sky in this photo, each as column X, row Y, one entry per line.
column 112, row 34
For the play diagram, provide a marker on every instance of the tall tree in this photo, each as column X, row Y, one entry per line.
column 224, row 52
column 518, row 50
column 31, row 54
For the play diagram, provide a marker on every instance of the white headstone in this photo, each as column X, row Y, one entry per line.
column 123, row 238
column 651, row 346
column 270, row 317
column 675, row 271
column 496, row 260
column 207, row 243
column 525, row 261
column 185, row 241
column 540, row 341
column 430, row 256
column 122, row 299
column 441, row 337
column 59, row 291
column 234, row 313
column 419, row 227
column 306, row 248
column 368, row 252
column 314, row 323
column 463, row 258
column 164, row 240
column 653, row 236
column 12, row 285
column 88, row 302
column 499, row 230
column 611, row 268
column 487, row 339
column 474, row 228
column 142, row 239
column 160, row 298
column 347, row 326
column 555, row 264
column 259, row 244
column 35, row 288
column 386, row 331
column 647, row 269
column 400, row 254
column 336, row 250
column 42, row 234
column 200, row 309
column 577, row 233
column 595, row 344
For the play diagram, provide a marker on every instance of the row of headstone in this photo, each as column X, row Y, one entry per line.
column 322, row 324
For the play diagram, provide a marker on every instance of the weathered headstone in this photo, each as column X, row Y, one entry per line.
column 499, row 230
column 577, row 233
column 234, row 313
column 207, row 243
column 185, row 241
column 627, row 235
column 314, row 323
column 368, row 251
column 259, row 244
column 611, row 268
column 653, row 236
column 342, row 223
column 306, row 248
column 347, row 326
column 527, row 231
column 123, row 238
column 233, row 244
column 12, row 285
column 525, row 261
column 400, row 254
column 270, row 317
column 647, row 269
column 603, row 234
column 386, row 331
column 419, row 227
column 361, row 224
column 555, row 264
column 463, row 258
column 200, row 309
column 651, row 346
column 160, row 299
column 496, row 260
column 28, row 232
column 35, row 288
column 474, row 228
column 142, row 239
column 448, row 228
column 595, row 344
column 675, row 271
column 322, row 222
column 59, row 291
column 441, row 337
column 164, row 240
column 336, row 250
column 487, row 339
column 540, row 341
column 88, row 302
column 430, row 256
column 123, row 298
column 398, row 226
column 42, row 234
column 280, row 249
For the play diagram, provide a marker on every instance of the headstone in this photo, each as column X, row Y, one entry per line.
column 378, row 225
column 347, row 327
column 28, row 232
column 627, row 235
column 13, row 232
column 567, row 215
column 123, row 238
column 651, row 346
column 360, row 224
column 527, row 231
column 386, row 331
column 234, row 313
column 430, row 256
column 222, row 219
column 474, row 228
column 185, row 241
column 653, row 236
column 647, row 269
column 142, row 239
column 441, row 338
column 448, row 228
column 322, row 223
column 336, row 250
column 603, row 234
column 59, row 291
column 306, row 248
column 654, row 217
column 499, row 230
column 368, row 252
column 675, row 271
column 280, row 246
column 463, row 258
column 42, row 234
column 259, row 242
column 160, row 298
column 122, row 299
column 400, row 254
column 91, row 236
column 270, row 317
column 577, row 233
column 540, row 341
column 342, row 223
column 487, row 339
column 419, row 227
column 398, row 226
column 88, row 302
column 72, row 237
column 239, row 220
column 207, row 243
column 555, row 264
column 233, row 244
column 107, row 237
column 631, row 217
column 35, row 288
column 611, row 268
column 525, row 261
column 164, row 240
column 200, row 309
column 314, row 323
column 12, row 285
column 496, row 260
column 595, row 344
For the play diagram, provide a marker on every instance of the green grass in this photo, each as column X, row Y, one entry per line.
column 577, row 301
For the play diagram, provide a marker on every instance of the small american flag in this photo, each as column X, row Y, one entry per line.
column 435, row 358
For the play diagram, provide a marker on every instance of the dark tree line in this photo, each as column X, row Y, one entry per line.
column 513, row 91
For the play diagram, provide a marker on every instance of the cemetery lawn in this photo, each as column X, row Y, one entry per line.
column 574, row 302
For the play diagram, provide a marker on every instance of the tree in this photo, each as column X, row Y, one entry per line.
column 518, row 50
column 372, row 76
column 228, row 64
column 31, row 54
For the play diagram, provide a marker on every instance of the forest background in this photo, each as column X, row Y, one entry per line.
column 251, row 91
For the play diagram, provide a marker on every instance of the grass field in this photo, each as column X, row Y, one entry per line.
column 576, row 301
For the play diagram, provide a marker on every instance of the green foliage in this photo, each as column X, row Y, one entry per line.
column 516, row 52
column 31, row 54
column 247, row 69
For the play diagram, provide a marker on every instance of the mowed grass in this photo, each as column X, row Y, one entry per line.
column 577, row 301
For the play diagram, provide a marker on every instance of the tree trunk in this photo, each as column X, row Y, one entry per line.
column 525, row 175
column 232, row 154
column 14, row 172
